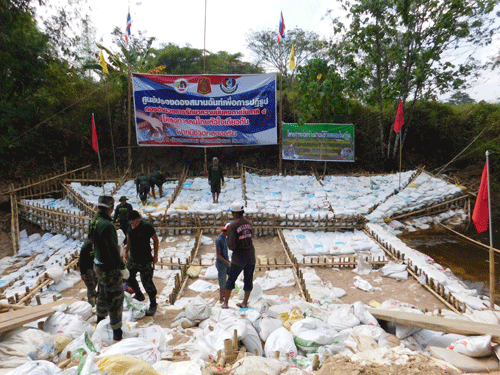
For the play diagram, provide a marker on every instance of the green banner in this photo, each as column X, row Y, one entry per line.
column 318, row 142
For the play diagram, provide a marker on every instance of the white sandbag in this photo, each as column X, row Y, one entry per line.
column 425, row 336
column 103, row 334
column 360, row 311
column 445, row 340
column 465, row 363
column 260, row 365
column 252, row 315
column 211, row 273
column 483, row 316
column 55, row 273
column 24, row 345
column 362, row 284
column 181, row 368
column 67, row 324
column 37, row 368
column 280, row 340
column 310, row 333
column 342, row 318
column 363, row 267
column 153, row 334
column 197, row 310
column 473, row 346
column 358, row 342
column 251, row 339
column 81, row 308
column 78, row 346
column 267, row 326
column 134, row 347
column 374, row 332
column 202, row 286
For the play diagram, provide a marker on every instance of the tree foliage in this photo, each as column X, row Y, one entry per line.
column 460, row 97
column 394, row 49
column 272, row 54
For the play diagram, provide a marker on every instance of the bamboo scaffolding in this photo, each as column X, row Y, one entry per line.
column 446, row 205
column 72, row 225
column 49, row 179
column 435, row 288
column 296, row 272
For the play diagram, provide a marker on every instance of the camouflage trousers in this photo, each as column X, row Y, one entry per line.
column 146, row 273
column 110, row 295
column 91, row 284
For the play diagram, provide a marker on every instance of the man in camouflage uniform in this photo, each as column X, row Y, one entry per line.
column 139, row 258
column 215, row 179
column 86, row 265
column 157, row 179
column 142, row 187
column 121, row 213
column 108, row 265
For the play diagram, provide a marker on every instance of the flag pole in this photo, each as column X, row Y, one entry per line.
column 491, row 252
column 98, row 155
column 400, row 155
column 280, row 125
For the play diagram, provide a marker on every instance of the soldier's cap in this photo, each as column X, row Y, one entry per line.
column 106, row 201
column 123, row 198
column 215, row 158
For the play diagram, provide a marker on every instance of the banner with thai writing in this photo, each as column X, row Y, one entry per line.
column 205, row 110
column 318, row 142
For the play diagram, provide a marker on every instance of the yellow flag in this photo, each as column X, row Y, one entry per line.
column 292, row 58
column 157, row 70
column 103, row 63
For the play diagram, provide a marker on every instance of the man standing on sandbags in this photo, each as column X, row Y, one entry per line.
column 139, row 258
column 108, row 265
column 239, row 240
column 215, row 179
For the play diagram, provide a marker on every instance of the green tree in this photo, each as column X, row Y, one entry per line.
column 320, row 93
column 188, row 60
column 272, row 54
column 396, row 49
column 460, row 97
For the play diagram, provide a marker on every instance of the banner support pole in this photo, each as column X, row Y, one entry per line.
column 99, row 156
column 280, row 127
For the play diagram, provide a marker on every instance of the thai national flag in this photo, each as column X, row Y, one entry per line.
column 129, row 25
column 281, row 31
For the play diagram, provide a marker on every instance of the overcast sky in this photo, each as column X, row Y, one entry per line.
column 229, row 22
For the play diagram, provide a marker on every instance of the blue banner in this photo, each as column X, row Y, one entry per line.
column 205, row 110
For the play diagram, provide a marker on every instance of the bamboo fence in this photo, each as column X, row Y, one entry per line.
column 430, row 284
column 264, row 224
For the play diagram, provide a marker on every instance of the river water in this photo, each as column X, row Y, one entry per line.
column 466, row 260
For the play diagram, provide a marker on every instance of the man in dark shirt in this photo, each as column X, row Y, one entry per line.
column 215, row 179
column 121, row 213
column 239, row 240
column 142, row 187
column 108, row 266
column 139, row 258
column 157, row 178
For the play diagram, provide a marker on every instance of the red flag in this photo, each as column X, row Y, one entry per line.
column 94, row 137
column 480, row 215
column 400, row 118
